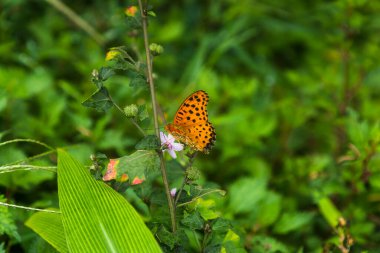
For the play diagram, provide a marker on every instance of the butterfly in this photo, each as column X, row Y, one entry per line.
column 191, row 125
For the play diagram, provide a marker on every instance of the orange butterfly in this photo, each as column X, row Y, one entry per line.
column 191, row 125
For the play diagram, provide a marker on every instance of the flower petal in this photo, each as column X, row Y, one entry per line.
column 172, row 153
column 163, row 138
column 171, row 138
column 177, row 146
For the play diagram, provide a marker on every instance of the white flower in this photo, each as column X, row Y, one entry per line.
column 168, row 144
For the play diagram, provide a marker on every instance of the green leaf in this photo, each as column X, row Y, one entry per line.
column 166, row 237
column 95, row 217
column 142, row 113
column 7, row 223
column 138, row 80
column 245, row 194
column 269, row 209
column 149, row 142
column 268, row 245
column 193, row 221
column 49, row 226
column 292, row 221
column 151, row 13
column 206, row 209
column 100, row 100
column 329, row 211
column 137, row 164
column 105, row 73
column 221, row 225
column 98, row 77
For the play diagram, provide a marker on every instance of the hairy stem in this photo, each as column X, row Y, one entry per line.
column 155, row 114
column 185, row 179
column 76, row 19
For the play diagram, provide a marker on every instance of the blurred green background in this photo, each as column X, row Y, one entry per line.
column 294, row 92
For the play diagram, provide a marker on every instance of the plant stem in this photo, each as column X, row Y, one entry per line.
column 185, row 179
column 11, row 168
column 29, row 208
column 155, row 116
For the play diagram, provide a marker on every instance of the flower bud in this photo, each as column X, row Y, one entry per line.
column 156, row 49
column 192, row 173
column 131, row 11
column 131, row 111
column 111, row 54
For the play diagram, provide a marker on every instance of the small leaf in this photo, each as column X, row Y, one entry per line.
column 206, row 209
column 231, row 236
column 105, row 73
column 98, row 77
column 100, row 100
column 329, row 211
column 138, row 80
column 143, row 113
column 193, row 221
column 292, row 221
column 151, row 13
column 149, row 142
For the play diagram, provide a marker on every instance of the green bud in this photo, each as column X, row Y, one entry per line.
column 192, row 173
column 156, row 49
column 131, row 110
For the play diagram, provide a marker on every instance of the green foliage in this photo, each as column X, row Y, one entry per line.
column 49, row 226
column 137, row 164
column 294, row 98
column 97, row 219
column 7, row 223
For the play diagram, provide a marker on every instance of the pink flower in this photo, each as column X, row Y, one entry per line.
column 168, row 143
column 173, row 192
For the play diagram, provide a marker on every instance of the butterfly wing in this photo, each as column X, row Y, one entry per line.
column 193, row 110
column 191, row 125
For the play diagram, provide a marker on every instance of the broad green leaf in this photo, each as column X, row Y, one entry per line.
column 49, row 226
column 95, row 217
column 137, row 164
column 269, row 209
column 100, row 100
column 149, row 142
column 245, row 194
column 329, row 211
